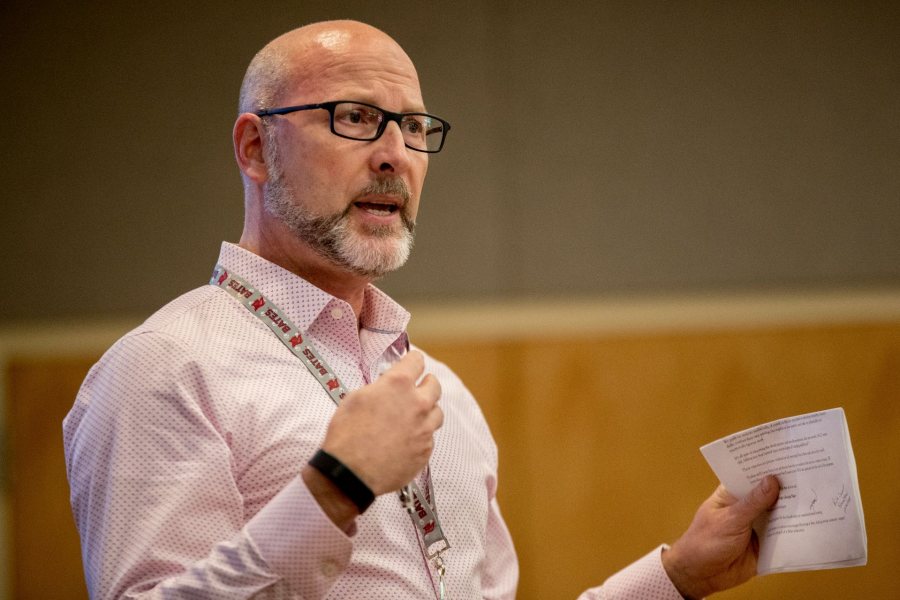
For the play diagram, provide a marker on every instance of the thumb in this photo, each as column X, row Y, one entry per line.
column 412, row 364
column 760, row 498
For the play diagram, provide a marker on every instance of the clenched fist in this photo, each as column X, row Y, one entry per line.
column 384, row 432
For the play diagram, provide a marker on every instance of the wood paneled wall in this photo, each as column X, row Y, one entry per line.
column 598, row 437
column 45, row 557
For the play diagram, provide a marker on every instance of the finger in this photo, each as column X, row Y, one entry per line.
column 435, row 418
column 430, row 387
column 412, row 364
column 760, row 498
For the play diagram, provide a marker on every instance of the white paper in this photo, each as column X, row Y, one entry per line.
column 817, row 522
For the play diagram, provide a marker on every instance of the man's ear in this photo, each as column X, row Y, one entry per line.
column 248, row 147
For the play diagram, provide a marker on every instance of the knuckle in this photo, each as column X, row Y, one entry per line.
column 399, row 379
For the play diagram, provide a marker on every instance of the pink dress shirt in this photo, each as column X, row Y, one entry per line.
column 185, row 443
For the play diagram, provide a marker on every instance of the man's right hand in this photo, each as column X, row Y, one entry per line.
column 384, row 431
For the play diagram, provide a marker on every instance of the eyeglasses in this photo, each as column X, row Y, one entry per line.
column 366, row 122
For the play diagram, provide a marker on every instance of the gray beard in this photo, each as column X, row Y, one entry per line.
column 372, row 254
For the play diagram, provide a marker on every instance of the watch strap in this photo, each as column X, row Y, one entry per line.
column 344, row 479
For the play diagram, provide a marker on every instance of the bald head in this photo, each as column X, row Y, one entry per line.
column 303, row 56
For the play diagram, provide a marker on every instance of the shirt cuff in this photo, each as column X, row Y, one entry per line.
column 644, row 579
column 299, row 542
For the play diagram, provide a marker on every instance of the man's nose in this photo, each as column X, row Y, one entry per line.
column 391, row 154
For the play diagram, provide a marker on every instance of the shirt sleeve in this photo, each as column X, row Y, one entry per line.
column 501, row 571
column 154, row 491
column 644, row 579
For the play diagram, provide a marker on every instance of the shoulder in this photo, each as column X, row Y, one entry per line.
column 160, row 373
column 200, row 323
column 168, row 355
column 182, row 316
column 164, row 338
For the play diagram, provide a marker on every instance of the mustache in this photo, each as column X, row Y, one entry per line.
column 388, row 186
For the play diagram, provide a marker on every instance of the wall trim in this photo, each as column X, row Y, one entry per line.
column 493, row 320
column 582, row 317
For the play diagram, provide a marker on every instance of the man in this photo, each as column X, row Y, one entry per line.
column 268, row 435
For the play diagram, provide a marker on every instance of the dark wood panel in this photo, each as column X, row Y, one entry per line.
column 45, row 550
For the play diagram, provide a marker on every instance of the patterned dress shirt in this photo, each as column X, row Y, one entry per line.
column 185, row 443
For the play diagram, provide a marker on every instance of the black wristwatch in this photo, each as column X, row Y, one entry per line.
column 346, row 480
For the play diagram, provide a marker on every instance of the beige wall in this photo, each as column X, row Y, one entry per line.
column 597, row 147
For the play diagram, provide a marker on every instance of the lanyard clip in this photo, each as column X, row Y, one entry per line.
column 441, row 569
column 436, row 554
column 406, row 499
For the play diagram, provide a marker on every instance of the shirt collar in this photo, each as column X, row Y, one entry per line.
column 303, row 302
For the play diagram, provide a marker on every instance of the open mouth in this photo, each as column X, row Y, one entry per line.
column 381, row 210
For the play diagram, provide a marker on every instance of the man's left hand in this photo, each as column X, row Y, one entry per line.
column 719, row 550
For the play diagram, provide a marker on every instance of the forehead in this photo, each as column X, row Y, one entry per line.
column 377, row 71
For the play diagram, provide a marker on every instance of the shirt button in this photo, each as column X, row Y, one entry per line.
column 337, row 313
column 329, row 568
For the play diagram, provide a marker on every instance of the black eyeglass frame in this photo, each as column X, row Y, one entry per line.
column 388, row 117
